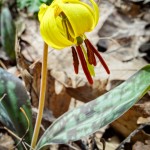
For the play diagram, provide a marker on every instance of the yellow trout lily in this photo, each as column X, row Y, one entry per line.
column 64, row 24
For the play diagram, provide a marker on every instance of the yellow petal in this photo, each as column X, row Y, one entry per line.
column 51, row 32
column 42, row 11
column 96, row 11
column 79, row 16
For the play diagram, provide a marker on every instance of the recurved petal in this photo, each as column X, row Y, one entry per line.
column 80, row 16
column 42, row 11
column 96, row 11
column 50, row 31
column 71, row 1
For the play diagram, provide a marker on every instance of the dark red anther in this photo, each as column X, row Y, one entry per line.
column 90, row 54
column 75, row 60
column 84, row 65
column 98, row 55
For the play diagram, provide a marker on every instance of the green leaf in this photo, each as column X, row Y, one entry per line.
column 48, row 2
column 8, row 33
column 23, row 3
column 32, row 5
column 13, row 96
column 90, row 117
column 4, row 118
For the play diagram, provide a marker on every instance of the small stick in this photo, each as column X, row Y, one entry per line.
column 127, row 140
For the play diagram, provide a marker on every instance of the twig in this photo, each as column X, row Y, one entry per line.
column 127, row 140
column 2, row 97
column 71, row 146
column 3, row 65
column 16, row 136
column 28, row 122
column 103, row 142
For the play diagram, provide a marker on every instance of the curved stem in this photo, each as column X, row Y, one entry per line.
column 42, row 97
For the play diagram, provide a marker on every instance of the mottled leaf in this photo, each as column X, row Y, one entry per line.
column 8, row 32
column 22, row 4
column 35, row 4
column 13, row 96
column 4, row 118
column 32, row 5
column 90, row 117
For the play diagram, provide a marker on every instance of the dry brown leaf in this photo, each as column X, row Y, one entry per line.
column 3, row 148
column 140, row 146
column 142, row 120
column 6, row 141
column 35, row 72
column 87, row 93
column 129, row 121
column 113, row 143
column 57, row 103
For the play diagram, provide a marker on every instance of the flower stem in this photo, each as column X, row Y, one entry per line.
column 42, row 97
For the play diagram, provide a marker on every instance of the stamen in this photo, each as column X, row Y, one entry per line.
column 75, row 60
column 84, row 65
column 90, row 54
column 66, row 26
column 98, row 55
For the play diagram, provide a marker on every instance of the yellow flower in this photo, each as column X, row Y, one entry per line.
column 64, row 24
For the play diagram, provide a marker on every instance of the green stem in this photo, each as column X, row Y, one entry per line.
column 42, row 96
